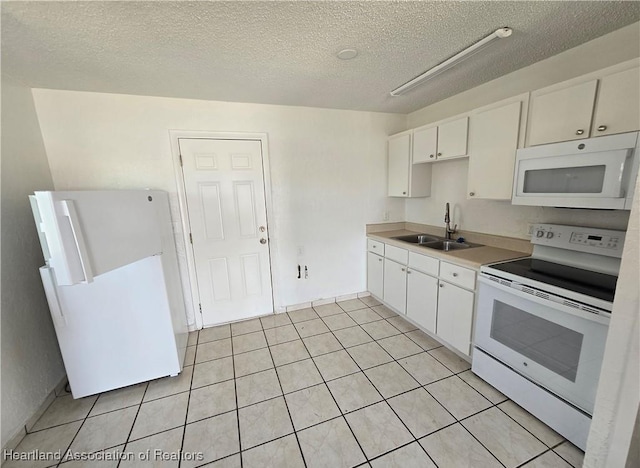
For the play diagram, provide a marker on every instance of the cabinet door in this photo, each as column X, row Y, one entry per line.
column 452, row 139
column 425, row 143
column 395, row 285
column 455, row 316
column 561, row 115
column 422, row 299
column 375, row 274
column 618, row 107
column 399, row 160
column 493, row 141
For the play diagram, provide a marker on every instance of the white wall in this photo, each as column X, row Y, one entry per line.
column 328, row 170
column 450, row 178
column 617, row 405
column 31, row 362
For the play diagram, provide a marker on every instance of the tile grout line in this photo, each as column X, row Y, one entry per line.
column 324, row 382
column 286, row 404
column 134, row 421
column 333, row 397
column 78, row 431
column 421, row 386
column 235, row 391
column 380, row 393
column 186, row 416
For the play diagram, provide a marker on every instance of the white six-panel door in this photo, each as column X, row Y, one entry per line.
column 224, row 184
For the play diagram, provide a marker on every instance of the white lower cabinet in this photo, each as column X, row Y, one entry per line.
column 422, row 299
column 395, row 285
column 455, row 316
column 436, row 295
column 375, row 274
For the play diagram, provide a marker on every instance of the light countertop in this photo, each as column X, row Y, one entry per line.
column 473, row 257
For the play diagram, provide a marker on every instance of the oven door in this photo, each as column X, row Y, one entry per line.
column 555, row 346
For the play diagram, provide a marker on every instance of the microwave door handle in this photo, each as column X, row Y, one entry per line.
column 52, row 295
column 69, row 210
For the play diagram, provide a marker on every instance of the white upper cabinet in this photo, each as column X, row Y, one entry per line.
column 618, row 105
column 452, row 139
column 561, row 114
column 406, row 179
column 425, row 144
column 597, row 104
column 495, row 133
column 444, row 141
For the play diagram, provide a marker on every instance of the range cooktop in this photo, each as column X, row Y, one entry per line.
column 589, row 283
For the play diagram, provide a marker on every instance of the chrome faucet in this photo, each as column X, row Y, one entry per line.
column 447, row 226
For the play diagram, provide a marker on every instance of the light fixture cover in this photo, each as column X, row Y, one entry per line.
column 452, row 61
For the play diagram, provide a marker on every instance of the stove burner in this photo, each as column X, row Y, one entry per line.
column 589, row 283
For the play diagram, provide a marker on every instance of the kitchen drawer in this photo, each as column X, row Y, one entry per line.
column 375, row 246
column 458, row 275
column 396, row 254
column 424, row 263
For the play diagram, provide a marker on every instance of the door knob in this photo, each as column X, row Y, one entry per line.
column 263, row 241
column 602, row 128
column 431, row 156
column 262, row 228
column 579, row 131
column 439, row 154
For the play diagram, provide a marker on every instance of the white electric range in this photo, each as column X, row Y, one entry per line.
column 542, row 323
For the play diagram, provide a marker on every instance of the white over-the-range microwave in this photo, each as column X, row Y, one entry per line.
column 596, row 173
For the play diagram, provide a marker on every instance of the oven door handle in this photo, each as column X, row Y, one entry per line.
column 546, row 302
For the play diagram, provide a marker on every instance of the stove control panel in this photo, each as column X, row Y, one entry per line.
column 582, row 239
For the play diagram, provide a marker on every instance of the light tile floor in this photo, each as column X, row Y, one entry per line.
column 347, row 384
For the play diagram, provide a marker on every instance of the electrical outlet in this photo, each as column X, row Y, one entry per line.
column 385, row 216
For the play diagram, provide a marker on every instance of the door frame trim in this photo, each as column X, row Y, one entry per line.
column 174, row 136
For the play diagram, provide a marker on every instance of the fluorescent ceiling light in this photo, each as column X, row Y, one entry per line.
column 453, row 61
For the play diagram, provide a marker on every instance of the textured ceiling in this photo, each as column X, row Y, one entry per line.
column 285, row 52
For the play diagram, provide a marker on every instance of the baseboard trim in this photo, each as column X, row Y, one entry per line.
column 328, row 300
column 28, row 425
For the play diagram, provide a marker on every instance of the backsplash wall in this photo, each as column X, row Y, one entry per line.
column 449, row 184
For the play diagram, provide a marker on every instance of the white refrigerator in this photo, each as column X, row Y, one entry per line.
column 112, row 282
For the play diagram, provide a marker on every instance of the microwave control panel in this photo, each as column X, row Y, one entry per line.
column 581, row 239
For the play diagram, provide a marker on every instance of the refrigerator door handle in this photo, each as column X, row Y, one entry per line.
column 70, row 211
column 52, row 295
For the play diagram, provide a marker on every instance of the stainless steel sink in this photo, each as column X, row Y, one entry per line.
column 435, row 242
column 448, row 245
column 418, row 238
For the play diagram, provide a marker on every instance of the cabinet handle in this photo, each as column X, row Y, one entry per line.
column 579, row 131
column 402, row 269
column 602, row 128
column 455, row 275
column 441, row 285
column 404, row 193
column 471, row 194
column 408, row 272
column 431, row 156
column 439, row 154
column 379, row 259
